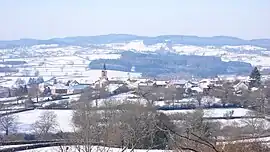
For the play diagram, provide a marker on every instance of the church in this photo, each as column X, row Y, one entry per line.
column 103, row 79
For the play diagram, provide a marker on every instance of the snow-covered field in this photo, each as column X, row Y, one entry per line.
column 243, row 122
column 257, row 56
column 71, row 62
column 13, row 146
column 265, row 140
column 66, row 65
column 83, row 55
column 27, row 118
column 213, row 113
column 71, row 98
column 64, row 117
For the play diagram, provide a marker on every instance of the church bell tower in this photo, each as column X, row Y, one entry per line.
column 104, row 72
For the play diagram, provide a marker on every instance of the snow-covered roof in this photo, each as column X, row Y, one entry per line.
column 161, row 82
column 48, row 83
column 205, row 81
column 178, row 82
column 254, row 89
column 190, row 84
column 78, row 87
column 60, row 86
column 210, row 99
column 241, row 85
column 113, row 87
column 198, row 89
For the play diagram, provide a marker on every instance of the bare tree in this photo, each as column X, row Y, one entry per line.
column 62, row 68
column 8, row 123
column 127, row 125
column 192, row 133
column 92, row 95
column 245, row 147
column 20, row 82
column 86, row 120
column 33, row 91
column 46, row 123
column 255, row 124
column 36, row 73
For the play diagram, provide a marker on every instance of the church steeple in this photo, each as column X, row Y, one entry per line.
column 104, row 66
column 104, row 72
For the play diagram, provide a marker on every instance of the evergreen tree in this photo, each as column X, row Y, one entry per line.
column 9, row 93
column 54, row 81
column 25, row 90
column 255, row 78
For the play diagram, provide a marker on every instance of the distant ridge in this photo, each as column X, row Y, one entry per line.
column 118, row 38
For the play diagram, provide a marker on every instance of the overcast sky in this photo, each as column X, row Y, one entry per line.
column 43, row 19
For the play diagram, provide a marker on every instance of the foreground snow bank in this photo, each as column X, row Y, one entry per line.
column 94, row 149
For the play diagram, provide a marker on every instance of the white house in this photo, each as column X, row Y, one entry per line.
column 160, row 83
column 240, row 86
column 178, row 83
column 76, row 88
column 190, row 84
column 59, row 88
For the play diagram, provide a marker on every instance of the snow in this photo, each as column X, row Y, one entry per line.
column 83, row 55
column 95, row 149
column 60, row 86
column 71, row 98
column 209, row 99
column 27, row 118
column 8, row 99
column 243, row 47
column 14, row 146
column 122, row 98
column 161, row 82
column 260, row 139
column 243, row 122
column 213, row 113
column 178, row 82
column 72, row 73
column 197, row 89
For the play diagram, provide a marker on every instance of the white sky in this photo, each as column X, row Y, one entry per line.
column 43, row 19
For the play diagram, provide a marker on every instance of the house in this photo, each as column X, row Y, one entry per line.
column 178, row 83
column 205, row 83
column 72, row 83
column 196, row 90
column 44, row 85
column 240, row 86
column 190, row 84
column 59, row 89
column 76, row 88
column 145, row 83
column 160, row 83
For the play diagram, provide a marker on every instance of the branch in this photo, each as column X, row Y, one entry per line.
column 194, row 140
column 210, row 144
column 182, row 147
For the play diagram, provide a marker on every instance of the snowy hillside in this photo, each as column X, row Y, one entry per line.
column 70, row 56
